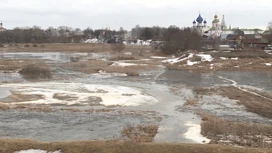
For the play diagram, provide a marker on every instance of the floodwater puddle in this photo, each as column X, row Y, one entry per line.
column 4, row 92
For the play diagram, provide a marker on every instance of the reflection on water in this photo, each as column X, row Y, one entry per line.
column 261, row 80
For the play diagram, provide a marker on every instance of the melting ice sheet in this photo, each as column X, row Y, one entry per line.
column 80, row 93
column 35, row 151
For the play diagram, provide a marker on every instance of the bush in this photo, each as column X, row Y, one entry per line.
column 1, row 45
column 27, row 45
column 10, row 45
column 117, row 47
column 34, row 45
column 35, row 72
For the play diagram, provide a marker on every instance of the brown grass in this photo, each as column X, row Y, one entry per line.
column 247, row 61
column 191, row 102
column 11, row 145
column 239, row 133
column 119, row 58
column 73, row 47
column 139, row 133
column 91, row 66
column 94, row 66
column 242, row 54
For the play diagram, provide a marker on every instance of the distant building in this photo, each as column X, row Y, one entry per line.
column 200, row 25
column 219, row 29
column 2, row 28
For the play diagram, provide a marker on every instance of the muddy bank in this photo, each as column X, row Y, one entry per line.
column 9, row 146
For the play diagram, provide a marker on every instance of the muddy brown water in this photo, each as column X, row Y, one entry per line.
column 61, row 126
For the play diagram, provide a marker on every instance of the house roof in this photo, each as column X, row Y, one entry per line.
column 232, row 37
column 253, row 36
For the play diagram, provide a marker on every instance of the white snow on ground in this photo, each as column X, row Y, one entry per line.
column 194, row 133
column 268, row 64
column 177, row 60
column 204, row 58
column 122, row 64
column 223, row 58
column 235, row 58
column 80, row 93
column 189, row 63
column 35, row 151
column 158, row 57
column 141, row 43
column 91, row 40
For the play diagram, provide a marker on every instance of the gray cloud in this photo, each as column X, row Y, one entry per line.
column 124, row 13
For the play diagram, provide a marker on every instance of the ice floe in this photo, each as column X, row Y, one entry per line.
column 123, row 64
column 35, row 151
column 82, row 94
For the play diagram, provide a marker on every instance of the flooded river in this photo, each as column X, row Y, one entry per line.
column 138, row 95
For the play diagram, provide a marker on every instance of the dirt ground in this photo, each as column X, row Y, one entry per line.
column 11, row 145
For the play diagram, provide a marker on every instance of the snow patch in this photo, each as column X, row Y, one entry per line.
column 122, row 64
column 204, row 58
column 235, row 58
column 223, row 58
column 35, row 151
column 92, row 41
column 189, row 63
column 268, row 64
column 194, row 133
column 158, row 57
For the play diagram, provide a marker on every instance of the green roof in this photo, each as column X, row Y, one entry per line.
column 212, row 28
column 215, row 21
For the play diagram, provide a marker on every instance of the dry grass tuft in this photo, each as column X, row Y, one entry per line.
column 191, row 102
column 120, row 58
column 140, row 133
column 239, row 133
column 35, row 72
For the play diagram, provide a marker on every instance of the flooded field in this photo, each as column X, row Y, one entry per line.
column 100, row 104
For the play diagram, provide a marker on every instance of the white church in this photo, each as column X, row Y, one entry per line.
column 217, row 29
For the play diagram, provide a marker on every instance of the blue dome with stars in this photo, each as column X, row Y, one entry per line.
column 194, row 22
column 205, row 22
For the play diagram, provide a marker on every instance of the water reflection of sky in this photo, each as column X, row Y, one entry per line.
column 261, row 80
column 54, row 56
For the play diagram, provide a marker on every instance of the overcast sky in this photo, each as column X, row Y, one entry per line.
column 128, row 13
